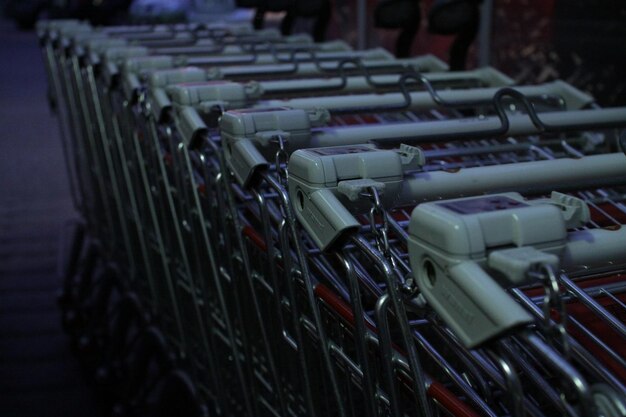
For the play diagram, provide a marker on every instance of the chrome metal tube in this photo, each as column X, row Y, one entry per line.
column 415, row 133
column 487, row 76
column 264, row 58
column 573, row 98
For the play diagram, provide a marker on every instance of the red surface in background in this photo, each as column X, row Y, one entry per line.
column 517, row 13
column 438, row 45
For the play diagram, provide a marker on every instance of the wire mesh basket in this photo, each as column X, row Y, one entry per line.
column 321, row 231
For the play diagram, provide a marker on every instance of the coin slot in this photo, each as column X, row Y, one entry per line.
column 430, row 271
column 300, row 200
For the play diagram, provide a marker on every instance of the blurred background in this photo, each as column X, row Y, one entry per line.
column 580, row 41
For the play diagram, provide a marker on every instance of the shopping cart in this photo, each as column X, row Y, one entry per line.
column 88, row 100
column 292, row 125
column 370, row 211
column 319, row 218
column 275, row 250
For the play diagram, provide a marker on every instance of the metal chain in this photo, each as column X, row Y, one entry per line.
column 281, row 159
column 553, row 300
column 381, row 234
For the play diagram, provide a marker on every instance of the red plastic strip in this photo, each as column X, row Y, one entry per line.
column 255, row 237
column 436, row 390
column 450, row 401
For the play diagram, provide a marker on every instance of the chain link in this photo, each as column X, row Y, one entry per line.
column 381, row 234
column 143, row 102
column 553, row 301
column 281, row 159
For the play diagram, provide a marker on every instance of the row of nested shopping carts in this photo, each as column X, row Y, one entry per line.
column 272, row 226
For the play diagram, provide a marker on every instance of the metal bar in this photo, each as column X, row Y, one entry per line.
column 573, row 99
column 535, row 177
column 484, row 33
column 465, row 128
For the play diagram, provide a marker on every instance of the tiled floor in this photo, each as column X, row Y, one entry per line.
column 38, row 375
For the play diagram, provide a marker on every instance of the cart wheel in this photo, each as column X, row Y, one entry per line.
column 143, row 369
column 124, row 328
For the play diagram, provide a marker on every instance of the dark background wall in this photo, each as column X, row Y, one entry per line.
column 580, row 41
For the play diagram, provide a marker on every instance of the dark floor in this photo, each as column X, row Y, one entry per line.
column 38, row 375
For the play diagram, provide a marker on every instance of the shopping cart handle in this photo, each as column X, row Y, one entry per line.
column 99, row 45
column 134, row 67
column 297, row 38
column 467, row 128
column 112, row 59
column 140, row 64
column 573, row 97
column 160, row 102
column 194, row 92
column 91, row 50
column 205, row 98
column 483, row 77
column 265, row 130
column 493, row 77
column 465, row 252
column 81, row 39
column 424, row 63
column 595, row 247
column 161, row 78
column 344, row 172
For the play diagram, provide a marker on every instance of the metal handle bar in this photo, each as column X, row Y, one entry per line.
column 379, row 64
column 362, row 76
column 425, row 100
column 536, row 177
column 444, row 130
